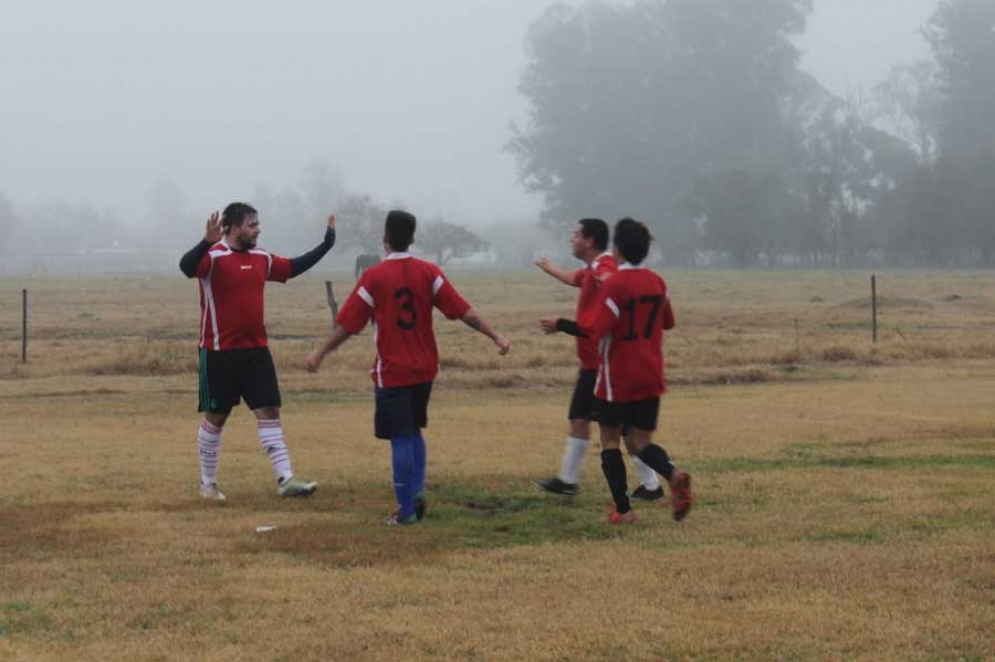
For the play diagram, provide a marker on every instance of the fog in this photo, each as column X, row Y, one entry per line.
column 408, row 103
column 411, row 101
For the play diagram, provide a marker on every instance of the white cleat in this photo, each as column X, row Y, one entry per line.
column 295, row 487
column 210, row 491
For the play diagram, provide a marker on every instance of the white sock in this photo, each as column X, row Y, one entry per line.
column 209, row 447
column 647, row 476
column 271, row 438
column 573, row 460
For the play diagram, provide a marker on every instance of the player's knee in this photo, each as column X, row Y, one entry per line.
column 267, row 413
column 216, row 418
column 580, row 429
column 636, row 442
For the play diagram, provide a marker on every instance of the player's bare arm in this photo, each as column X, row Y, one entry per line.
column 477, row 323
column 338, row 336
column 566, row 276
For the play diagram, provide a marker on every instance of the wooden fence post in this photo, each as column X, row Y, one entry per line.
column 874, row 309
column 24, row 325
column 332, row 304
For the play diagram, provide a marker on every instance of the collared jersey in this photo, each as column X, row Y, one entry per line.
column 629, row 318
column 588, row 280
column 232, row 304
column 399, row 295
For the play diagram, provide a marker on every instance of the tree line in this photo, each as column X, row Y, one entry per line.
column 695, row 116
column 68, row 235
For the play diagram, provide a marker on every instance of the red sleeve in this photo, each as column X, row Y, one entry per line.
column 601, row 316
column 669, row 321
column 446, row 298
column 279, row 269
column 578, row 277
column 357, row 309
column 604, row 270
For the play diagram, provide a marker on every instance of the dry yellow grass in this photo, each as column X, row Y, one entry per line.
column 845, row 507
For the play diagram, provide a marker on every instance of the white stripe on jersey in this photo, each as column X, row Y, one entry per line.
column 611, row 304
column 212, row 312
column 212, row 309
column 437, row 285
column 269, row 258
column 606, row 344
column 378, row 362
column 365, row 296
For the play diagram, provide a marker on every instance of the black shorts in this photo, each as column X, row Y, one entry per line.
column 582, row 402
column 401, row 411
column 228, row 375
column 641, row 414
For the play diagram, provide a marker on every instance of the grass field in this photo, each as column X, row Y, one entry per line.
column 845, row 491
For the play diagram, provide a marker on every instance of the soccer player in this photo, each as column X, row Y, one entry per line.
column 629, row 318
column 235, row 361
column 589, row 243
column 398, row 295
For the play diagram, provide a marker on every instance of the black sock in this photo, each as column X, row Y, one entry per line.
column 657, row 459
column 614, row 468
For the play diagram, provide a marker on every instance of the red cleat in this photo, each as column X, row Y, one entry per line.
column 680, row 491
column 615, row 517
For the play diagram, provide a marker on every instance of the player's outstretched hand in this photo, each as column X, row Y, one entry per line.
column 314, row 360
column 543, row 264
column 548, row 325
column 504, row 346
column 213, row 233
column 331, row 221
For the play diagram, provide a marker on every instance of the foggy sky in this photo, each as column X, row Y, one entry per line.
column 411, row 101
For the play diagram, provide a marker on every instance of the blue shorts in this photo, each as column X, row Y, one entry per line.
column 401, row 411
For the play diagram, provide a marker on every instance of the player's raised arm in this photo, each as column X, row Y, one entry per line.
column 212, row 235
column 566, row 276
column 302, row 263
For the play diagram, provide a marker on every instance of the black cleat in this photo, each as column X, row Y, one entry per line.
column 644, row 494
column 420, row 506
column 556, row 486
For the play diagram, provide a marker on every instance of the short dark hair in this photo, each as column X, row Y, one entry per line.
column 235, row 214
column 632, row 239
column 596, row 229
column 399, row 229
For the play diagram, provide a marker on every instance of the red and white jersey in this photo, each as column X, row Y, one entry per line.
column 231, row 295
column 629, row 319
column 588, row 280
column 399, row 294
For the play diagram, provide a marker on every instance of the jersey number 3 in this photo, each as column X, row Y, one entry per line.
column 407, row 316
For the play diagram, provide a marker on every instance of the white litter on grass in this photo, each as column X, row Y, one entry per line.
column 264, row 528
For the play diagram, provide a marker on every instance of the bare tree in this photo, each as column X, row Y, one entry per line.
column 445, row 241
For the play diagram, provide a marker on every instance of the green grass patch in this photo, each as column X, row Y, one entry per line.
column 482, row 517
column 22, row 617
